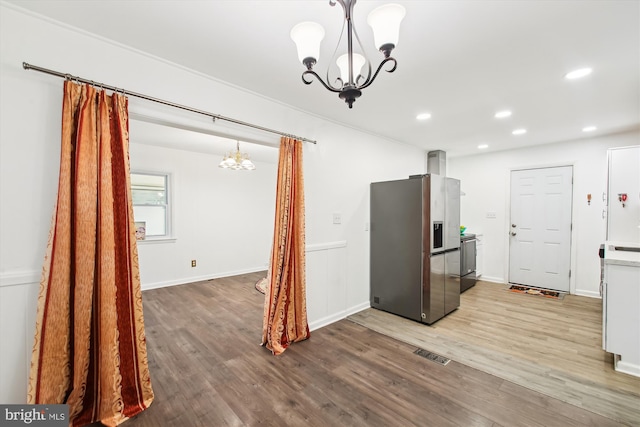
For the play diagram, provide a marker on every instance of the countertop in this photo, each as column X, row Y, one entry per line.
column 614, row 253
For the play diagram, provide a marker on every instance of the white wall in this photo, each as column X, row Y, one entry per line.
column 485, row 179
column 337, row 175
column 223, row 219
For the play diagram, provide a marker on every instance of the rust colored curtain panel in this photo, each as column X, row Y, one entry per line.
column 285, row 304
column 89, row 349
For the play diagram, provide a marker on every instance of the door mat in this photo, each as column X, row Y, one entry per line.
column 536, row 291
column 261, row 285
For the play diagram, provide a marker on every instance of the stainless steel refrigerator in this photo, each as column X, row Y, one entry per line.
column 415, row 247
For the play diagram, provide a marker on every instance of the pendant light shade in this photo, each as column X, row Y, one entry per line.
column 307, row 37
column 385, row 22
column 343, row 64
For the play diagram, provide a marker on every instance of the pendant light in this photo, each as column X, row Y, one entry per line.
column 385, row 22
column 237, row 160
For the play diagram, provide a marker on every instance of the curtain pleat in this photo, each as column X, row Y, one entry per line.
column 89, row 349
column 285, row 307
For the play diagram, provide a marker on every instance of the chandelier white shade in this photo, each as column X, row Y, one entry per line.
column 307, row 36
column 343, row 64
column 385, row 22
column 237, row 160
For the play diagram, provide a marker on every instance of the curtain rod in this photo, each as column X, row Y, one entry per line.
column 215, row 117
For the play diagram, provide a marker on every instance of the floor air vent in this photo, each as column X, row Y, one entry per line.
column 432, row 356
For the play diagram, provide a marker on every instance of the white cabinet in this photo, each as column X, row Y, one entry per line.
column 479, row 255
column 621, row 307
column 621, row 284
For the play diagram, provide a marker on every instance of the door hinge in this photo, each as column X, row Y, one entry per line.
column 569, row 273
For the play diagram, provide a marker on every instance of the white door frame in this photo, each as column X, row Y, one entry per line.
column 507, row 221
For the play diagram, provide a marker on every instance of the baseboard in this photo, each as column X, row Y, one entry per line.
column 590, row 294
column 192, row 279
column 626, row 368
column 317, row 324
column 492, row 279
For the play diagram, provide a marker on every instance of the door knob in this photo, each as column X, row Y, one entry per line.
column 513, row 226
column 513, row 233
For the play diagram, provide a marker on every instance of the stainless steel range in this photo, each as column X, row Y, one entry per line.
column 467, row 261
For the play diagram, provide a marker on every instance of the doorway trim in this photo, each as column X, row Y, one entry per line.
column 507, row 223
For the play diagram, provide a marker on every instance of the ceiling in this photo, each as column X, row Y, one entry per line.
column 459, row 60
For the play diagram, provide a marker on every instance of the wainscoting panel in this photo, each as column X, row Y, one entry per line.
column 327, row 284
column 336, row 280
column 316, row 263
column 18, row 304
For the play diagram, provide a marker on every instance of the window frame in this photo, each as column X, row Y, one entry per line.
column 168, row 205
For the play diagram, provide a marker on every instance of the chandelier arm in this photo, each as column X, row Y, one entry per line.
column 384, row 61
column 335, row 51
column 327, row 86
column 366, row 58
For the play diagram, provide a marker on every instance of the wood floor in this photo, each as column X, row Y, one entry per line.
column 550, row 346
column 208, row 369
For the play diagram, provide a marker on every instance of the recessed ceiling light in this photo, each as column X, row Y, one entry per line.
column 519, row 132
column 423, row 116
column 502, row 114
column 589, row 129
column 576, row 74
column 483, row 146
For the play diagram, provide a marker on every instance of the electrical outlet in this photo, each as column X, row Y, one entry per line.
column 337, row 218
column 193, row 263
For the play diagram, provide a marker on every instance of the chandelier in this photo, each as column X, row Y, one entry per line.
column 237, row 160
column 385, row 21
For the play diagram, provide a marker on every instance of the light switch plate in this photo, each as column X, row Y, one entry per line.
column 491, row 215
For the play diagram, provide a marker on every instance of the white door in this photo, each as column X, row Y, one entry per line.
column 540, row 229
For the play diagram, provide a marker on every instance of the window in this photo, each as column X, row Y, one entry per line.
column 150, row 194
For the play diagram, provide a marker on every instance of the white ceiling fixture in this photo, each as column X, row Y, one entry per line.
column 503, row 114
column 483, row 146
column 237, row 160
column 385, row 21
column 519, row 131
column 577, row 74
column 589, row 128
column 423, row 116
